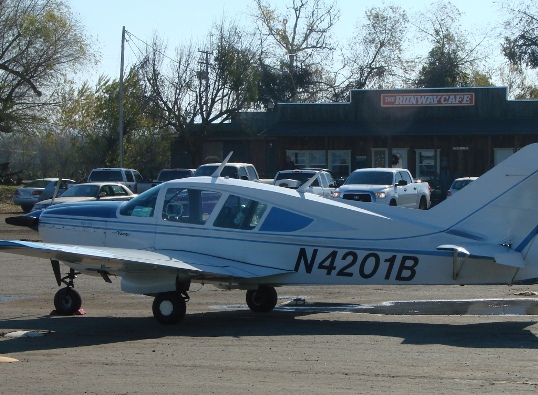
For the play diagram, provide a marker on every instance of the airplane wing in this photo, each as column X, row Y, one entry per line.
column 121, row 260
column 498, row 253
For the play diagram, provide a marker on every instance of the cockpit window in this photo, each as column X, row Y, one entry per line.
column 189, row 205
column 240, row 213
column 143, row 205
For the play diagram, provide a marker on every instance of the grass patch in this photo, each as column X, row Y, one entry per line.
column 6, row 199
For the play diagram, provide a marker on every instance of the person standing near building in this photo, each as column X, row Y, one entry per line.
column 290, row 165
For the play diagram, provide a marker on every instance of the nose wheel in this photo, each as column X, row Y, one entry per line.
column 67, row 301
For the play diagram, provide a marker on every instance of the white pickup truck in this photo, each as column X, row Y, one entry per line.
column 323, row 185
column 394, row 187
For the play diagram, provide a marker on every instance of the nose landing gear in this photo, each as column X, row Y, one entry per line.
column 67, row 301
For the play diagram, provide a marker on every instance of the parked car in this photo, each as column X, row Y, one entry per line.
column 458, row 184
column 244, row 171
column 92, row 191
column 323, row 185
column 29, row 194
column 172, row 174
column 391, row 186
column 129, row 177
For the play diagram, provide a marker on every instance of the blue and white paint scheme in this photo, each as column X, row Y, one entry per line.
column 240, row 234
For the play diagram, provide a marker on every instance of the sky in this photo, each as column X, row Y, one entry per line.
column 179, row 21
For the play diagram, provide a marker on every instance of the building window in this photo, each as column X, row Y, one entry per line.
column 427, row 164
column 339, row 163
column 379, row 157
column 304, row 159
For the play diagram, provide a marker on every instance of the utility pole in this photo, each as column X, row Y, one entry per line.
column 203, row 75
column 120, row 121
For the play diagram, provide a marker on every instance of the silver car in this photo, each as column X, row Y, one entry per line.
column 30, row 194
column 90, row 191
column 459, row 183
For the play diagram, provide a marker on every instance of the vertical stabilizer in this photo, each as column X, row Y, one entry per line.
column 500, row 207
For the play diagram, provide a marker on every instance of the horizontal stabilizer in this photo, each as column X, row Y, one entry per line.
column 500, row 254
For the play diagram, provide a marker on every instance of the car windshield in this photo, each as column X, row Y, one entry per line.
column 173, row 174
column 82, row 190
column 106, row 175
column 458, row 184
column 299, row 176
column 37, row 184
column 228, row 171
column 370, row 177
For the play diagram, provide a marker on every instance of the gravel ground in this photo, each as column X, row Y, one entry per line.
column 343, row 340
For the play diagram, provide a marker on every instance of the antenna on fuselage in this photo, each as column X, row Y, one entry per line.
column 216, row 173
column 302, row 188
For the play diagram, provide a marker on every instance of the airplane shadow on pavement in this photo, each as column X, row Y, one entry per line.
column 83, row 331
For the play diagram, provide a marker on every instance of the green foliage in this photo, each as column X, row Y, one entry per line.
column 520, row 45
column 41, row 42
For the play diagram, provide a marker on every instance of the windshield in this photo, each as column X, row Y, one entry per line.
column 143, row 205
column 228, row 171
column 106, row 175
column 82, row 190
column 370, row 178
column 167, row 175
column 302, row 177
column 37, row 184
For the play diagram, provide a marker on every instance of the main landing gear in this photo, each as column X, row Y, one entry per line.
column 67, row 301
column 170, row 307
column 262, row 300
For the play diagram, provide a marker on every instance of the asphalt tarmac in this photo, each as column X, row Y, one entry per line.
column 319, row 340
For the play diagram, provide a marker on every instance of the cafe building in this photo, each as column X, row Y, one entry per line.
column 438, row 134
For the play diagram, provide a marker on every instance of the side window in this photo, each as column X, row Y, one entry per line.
column 118, row 191
column 330, row 181
column 243, row 173
column 240, row 213
column 189, row 205
column 137, row 176
column 129, row 176
column 143, row 205
column 252, row 174
column 397, row 177
column 406, row 177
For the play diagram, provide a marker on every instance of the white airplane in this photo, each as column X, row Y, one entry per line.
column 238, row 234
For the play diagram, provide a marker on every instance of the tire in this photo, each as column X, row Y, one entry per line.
column 262, row 300
column 67, row 301
column 393, row 203
column 26, row 209
column 422, row 205
column 169, row 308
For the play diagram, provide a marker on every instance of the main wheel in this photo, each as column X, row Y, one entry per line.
column 422, row 205
column 67, row 301
column 169, row 307
column 262, row 300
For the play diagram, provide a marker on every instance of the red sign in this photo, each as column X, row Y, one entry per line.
column 426, row 99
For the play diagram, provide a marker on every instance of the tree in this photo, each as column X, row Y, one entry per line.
column 40, row 41
column 374, row 54
column 520, row 46
column 294, row 43
column 452, row 60
column 200, row 88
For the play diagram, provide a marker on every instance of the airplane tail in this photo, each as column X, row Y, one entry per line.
column 500, row 207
